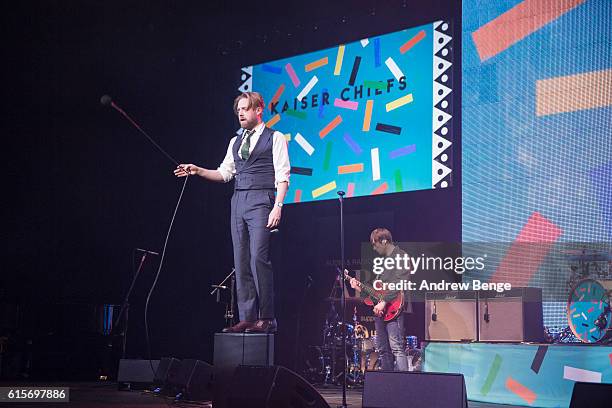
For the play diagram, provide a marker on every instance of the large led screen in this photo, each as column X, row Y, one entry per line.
column 369, row 117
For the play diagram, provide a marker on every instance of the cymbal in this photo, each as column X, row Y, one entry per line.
column 586, row 255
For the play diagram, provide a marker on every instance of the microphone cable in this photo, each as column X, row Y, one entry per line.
column 108, row 101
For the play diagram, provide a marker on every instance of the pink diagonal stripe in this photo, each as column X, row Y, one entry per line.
column 527, row 252
column 517, row 23
column 292, row 75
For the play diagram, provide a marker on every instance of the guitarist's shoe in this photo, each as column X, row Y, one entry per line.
column 238, row 328
column 263, row 326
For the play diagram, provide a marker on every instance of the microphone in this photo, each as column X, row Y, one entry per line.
column 486, row 313
column 147, row 251
column 106, row 100
column 434, row 315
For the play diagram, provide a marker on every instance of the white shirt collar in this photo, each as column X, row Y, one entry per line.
column 258, row 129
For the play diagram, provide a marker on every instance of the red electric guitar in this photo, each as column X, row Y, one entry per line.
column 392, row 309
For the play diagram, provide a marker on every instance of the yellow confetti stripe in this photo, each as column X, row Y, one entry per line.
column 339, row 59
column 404, row 100
column 323, row 189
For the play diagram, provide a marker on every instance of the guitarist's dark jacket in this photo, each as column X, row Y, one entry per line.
column 395, row 276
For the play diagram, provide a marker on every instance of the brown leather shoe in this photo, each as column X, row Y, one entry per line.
column 263, row 326
column 238, row 328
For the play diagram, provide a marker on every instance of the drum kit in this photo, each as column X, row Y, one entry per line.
column 324, row 363
column 589, row 313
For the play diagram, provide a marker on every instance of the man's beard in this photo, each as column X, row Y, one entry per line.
column 250, row 124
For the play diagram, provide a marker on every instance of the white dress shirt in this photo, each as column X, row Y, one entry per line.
column 280, row 156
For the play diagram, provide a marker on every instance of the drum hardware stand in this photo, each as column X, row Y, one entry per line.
column 229, row 307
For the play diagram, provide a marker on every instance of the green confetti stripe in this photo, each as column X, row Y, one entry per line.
column 493, row 371
column 398, row 181
column 328, row 150
column 296, row 114
column 375, row 84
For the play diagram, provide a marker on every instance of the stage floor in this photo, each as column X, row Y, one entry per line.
column 105, row 394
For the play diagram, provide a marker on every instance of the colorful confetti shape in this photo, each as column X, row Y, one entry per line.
column 304, row 144
column 412, row 42
column 380, row 189
column 352, row 105
column 382, row 127
column 352, row 144
column 573, row 93
column 354, row 71
column 330, row 126
column 339, row 58
column 326, row 188
column 350, row 168
column 291, row 72
column 402, row 151
column 492, row 375
column 273, row 120
column 375, row 164
column 517, row 23
column 519, row 389
column 367, row 115
column 404, row 100
column 316, row 64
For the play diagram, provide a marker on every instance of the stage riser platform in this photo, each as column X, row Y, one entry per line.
column 521, row 374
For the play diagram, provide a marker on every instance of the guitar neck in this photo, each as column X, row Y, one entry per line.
column 370, row 291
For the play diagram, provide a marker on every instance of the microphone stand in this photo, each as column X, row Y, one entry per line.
column 125, row 306
column 343, row 299
column 229, row 312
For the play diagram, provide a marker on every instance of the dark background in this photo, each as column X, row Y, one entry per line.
column 85, row 188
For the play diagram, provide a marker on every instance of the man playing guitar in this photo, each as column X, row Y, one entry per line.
column 390, row 334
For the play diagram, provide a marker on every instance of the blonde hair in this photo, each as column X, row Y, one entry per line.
column 254, row 98
column 380, row 234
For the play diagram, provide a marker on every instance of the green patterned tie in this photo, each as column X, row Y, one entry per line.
column 244, row 151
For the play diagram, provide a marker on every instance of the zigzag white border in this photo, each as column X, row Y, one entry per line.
column 246, row 75
column 441, row 163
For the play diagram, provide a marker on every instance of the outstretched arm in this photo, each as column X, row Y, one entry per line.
column 183, row 170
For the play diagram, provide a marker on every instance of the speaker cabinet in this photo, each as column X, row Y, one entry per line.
column 450, row 316
column 272, row 387
column 167, row 373
column 194, row 380
column 400, row 389
column 510, row 316
column 591, row 395
column 136, row 374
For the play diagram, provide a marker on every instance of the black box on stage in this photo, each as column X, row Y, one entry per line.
column 194, row 379
column 400, row 389
column 271, row 387
column 510, row 316
column 136, row 374
column 450, row 316
column 167, row 372
column 235, row 349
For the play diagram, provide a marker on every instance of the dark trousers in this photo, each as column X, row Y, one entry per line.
column 391, row 341
column 251, row 240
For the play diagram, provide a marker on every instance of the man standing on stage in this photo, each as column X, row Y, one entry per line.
column 258, row 160
column 390, row 336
